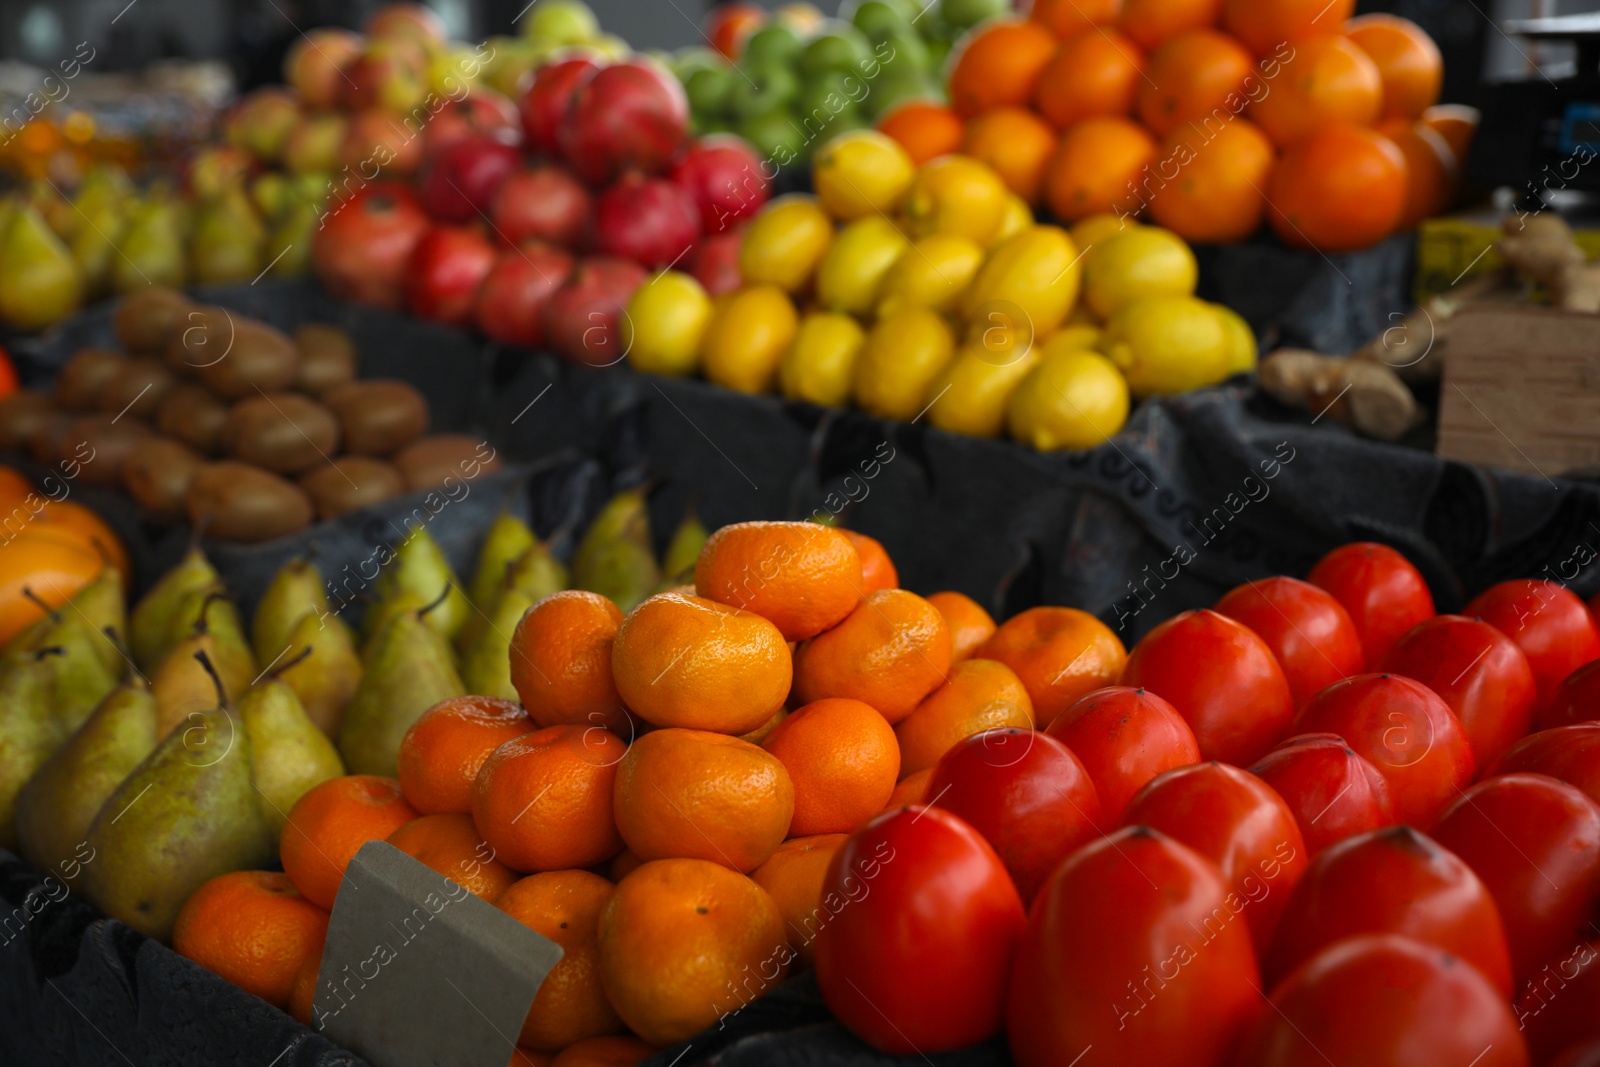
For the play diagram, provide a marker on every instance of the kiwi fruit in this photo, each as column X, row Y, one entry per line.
column 146, row 321
column 379, row 415
column 260, row 359
column 101, row 446
column 206, row 337
column 240, row 502
column 157, row 473
column 22, row 414
column 327, row 358
column 49, row 437
column 189, row 413
column 284, row 432
column 82, row 377
column 351, row 482
column 428, row 461
column 136, row 389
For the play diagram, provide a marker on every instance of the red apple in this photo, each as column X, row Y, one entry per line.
column 378, row 142
column 462, row 181
column 723, row 175
column 649, row 220
column 629, row 116
column 362, row 244
column 315, row 64
column 512, row 300
column 546, row 203
column 445, row 271
column 484, row 113
column 715, row 261
column 261, row 122
column 412, row 22
column 544, row 105
column 581, row 319
column 387, row 74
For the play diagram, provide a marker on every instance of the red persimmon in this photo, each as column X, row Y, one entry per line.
column 1307, row 629
column 1333, row 792
column 1576, row 699
column 1124, row 737
column 1547, row 621
column 1383, row 593
column 1570, row 753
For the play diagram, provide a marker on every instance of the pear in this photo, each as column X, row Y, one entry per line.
column 379, row 615
column 508, row 538
column 98, row 605
column 408, row 668
column 79, row 678
column 327, row 679
column 60, row 801
column 150, row 627
column 105, row 189
column 152, row 249
column 182, row 683
column 95, row 246
column 227, row 240
column 419, row 565
column 29, row 732
column 40, row 282
column 288, row 249
column 614, row 558
column 296, row 590
column 683, row 551
column 486, row 666
column 185, row 815
column 288, row 753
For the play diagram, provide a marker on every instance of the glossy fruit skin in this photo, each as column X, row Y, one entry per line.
column 511, row 302
column 725, row 178
column 1333, row 792
column 1577, row 699
column 1403, row 729
column 1391, row 881
column 484, row 113
column 1547, row 621
column 545, row 202
column 1534, row 842
column 1236, row 821
column 1124, row 737
column 648, row 220
column 1307, row 630
column 463, row 179
column 548, row 96
column 1383, row 593
column 1026, row 793
column 628, row 116
column 361, row 250
column 1221, row 678
column 916, row 955
column 1569, row 753
column 1132, row 951
column 581, row 320
column 445, row 272
column 1385, row 1001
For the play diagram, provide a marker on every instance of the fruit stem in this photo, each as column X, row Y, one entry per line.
column 216, row 679
column 294, row 661
column 440, row 599
column 55, row 616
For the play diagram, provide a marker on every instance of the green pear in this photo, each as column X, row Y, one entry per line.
column 288, row 248
column 99, row 606
column 325, row 680
column 408, row 668
column 536, row 574
column 379, row 615
column 297, row 590
column 182, row 683
column 288, row 753
column 152, row 249
column 508, row 538
column 40, row 282
column 486, row 666
column 683, row 551
column 185, row 815
column 227, row 240
column 56, row 210
column 105, row 188
column 615, row 558
column 95, row 247
column 150, row 627
column 29, row 732
column 80, row 680
column 419, row 565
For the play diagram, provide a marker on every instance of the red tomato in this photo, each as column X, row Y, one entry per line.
column 1124, row 737
column 1402, row 728
column 1557, row 1009
column 1309, row 632
column 1026, row 793
column 1577, row 699
column 1383, row 593
column 1547, row 621
column 916, row 961
column 1132, row 957
column 729, row 25
column 1391, row 881
column 1236, row 821
column 1221, row 678
column 1535, row 843
column 1478, row 671
column 1333, row 792
column 1570, row 753
column 1385, row 1001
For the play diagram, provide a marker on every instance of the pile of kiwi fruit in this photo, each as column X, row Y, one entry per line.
column 245, row 431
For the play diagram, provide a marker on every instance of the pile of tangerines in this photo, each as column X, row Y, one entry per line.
column 969, row 829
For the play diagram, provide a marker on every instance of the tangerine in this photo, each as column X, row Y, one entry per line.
column 981, row 694
column 998, row 64
column 1095, row 72
column 800, row 576
column 970, row 626
column 925, row 130
column 1430, row 169
column 1218, row 192
column 793, row 877
column 1342, row 188
column 329, row 824
column 1272, row 27
column 561, row 662
column 543, row 800
column 565, row 906
column 1064, row 18
column 890, row 652
column 1197, row 76
column 1456, row 123
column 619, row 1051
column 450, row 845
column 1016, row 143
column 442, row 751
column 1097, row 167
column 1059, row 654
column 843, row 761
column 1150, row 22
column 1329, row 79
column 1408, row 62
column 877, row 569
column 252, row 928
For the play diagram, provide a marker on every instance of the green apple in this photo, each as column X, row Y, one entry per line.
column 775, row 43
column 840, row 46
column 963, row 14
column 560, row 21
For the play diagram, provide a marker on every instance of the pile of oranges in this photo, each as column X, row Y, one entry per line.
column 665, row 800
column 1207, row 115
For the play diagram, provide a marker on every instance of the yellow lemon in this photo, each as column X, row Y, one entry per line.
column 1140, row 262
column 1075, row 337
column 932, row 273
column 747, row 338
column 821, row 360
column 970, row 395
column 959, row 195
column 664, row 322
column 1072, row 399
column 1018, row 217
column 903, row 353
column 1093, row 231
column 1081, row 315
column 862, row 253
column 861, row 173
column 785, row 242
column 1036, row 271
column 1241, row 340
column 1168, row 344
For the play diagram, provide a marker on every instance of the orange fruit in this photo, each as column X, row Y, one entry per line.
column 913, row 789
column 925, row 130
column 702, row 795
column 1193, row 77
column 1015, row 142
column 1328, row 80
column 982, row 694
column 252, row 928
column 561, row 662
column 1097, row 168
column 1064, row 18
column 329, row 824
column 1277, row 27
column 450, row 845
column 970, row 626
column 623, row 864
column 799, row 576
column 1093, row 73
column 1150, row 22
column 1430, row 169
column 69, row 517
column 843, row 761
column 565, row 907
column 543, row 800
column 441, row 753
column 50, row 566
column 1407, row 60
column 683, row 942
column 1059, row 654
column 692, row 662
column 792, row 876
column 303, row 994
column 530, row 1057
column 1217, row 194
column 997, row 64
column 1340, row 189
column 1456, row 123
column 891, row 651
column 619, row 1051
column 877, row 569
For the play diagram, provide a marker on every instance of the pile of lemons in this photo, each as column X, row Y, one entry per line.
column 932, row 294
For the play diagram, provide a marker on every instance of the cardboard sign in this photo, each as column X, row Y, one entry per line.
column 418, row 972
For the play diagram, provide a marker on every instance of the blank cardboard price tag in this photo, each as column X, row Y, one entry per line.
column 418, row 972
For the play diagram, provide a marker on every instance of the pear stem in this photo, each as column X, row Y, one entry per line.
column 201, row 625
column 440, row 599
column 293, row 661
column 55, row 616
column 216, row 679
column 48, row 650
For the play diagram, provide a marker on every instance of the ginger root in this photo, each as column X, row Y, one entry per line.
column 1543, row 248
column 1360, row 393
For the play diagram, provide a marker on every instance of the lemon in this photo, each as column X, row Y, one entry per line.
column 932, row 273
column 1081, row 315
column 861, row 173
column 1078, row 336
column 821, row 360
column 1241, row 340
column 1072, row 399
column 785, row 242
column 1036, row 271
column 903, row 353
column 663, row 323
column 1143, row 261
column 1018, row 217
column 970, row 395
column 1093, row 231
column 862, row 253
column 1168, row 344
column 959, row 195
column 747, row 337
